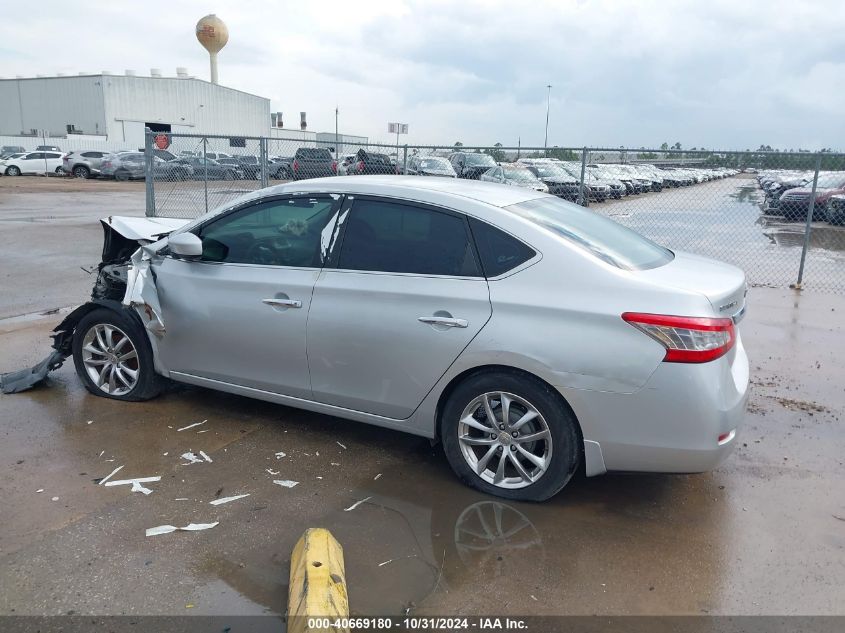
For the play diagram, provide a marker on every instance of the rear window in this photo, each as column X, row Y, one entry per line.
column 499, row 251
column 313, row 153
column 603, row 238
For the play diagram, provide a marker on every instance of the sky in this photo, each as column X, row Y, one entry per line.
column 715, row 74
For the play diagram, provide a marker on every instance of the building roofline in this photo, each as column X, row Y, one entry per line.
column 145, row 77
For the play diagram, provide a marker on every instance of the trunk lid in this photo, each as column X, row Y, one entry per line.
column 722, row 284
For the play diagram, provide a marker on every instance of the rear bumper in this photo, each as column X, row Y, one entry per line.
column 674, row 423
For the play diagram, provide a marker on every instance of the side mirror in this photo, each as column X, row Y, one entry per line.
column 185, row 245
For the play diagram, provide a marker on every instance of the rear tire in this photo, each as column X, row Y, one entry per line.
column 539, row 441
column 121, row 175
column 81, row 171
column 113, row 357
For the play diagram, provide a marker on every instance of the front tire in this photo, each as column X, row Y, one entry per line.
column 13, row 171
column 81, row 171
column 113, row 358
column 510, row 435
column 121, row 175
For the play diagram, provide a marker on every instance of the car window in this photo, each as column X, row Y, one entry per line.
column 389, row 236
column 498, row 251
column 313, row 153
column 277, row 233
column 54, row 155
column 600, row 236
column 34, row 156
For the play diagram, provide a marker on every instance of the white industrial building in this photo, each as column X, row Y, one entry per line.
column 110, row 111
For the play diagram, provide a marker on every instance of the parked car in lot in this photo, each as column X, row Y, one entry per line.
column 123, row 166
column 8, row 158
column 369, row 164
column 7, row 150
column 47, row 148
column 34, row 163
column 795, row 203
column 471, row 164
column 434, row 306
column 207, row 168
column 345, row 161
column 83, row 164
column 280, row 167
column 559, row 181
column 313, row 162
column 514, row 175
column 248, row 165
column 430, row 166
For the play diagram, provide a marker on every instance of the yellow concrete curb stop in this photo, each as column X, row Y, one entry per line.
column 317, row 582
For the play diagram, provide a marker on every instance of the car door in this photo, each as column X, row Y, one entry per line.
column 54, row 161
column 32, row 163
column 238, row 314
column 400, row 298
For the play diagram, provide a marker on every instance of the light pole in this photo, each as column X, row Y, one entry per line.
column 336, row 136
column 548, row 100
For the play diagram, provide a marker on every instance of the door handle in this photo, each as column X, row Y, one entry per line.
column 447, row 321
column 283, row 303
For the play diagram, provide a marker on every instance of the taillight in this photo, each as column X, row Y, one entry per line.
column 334, row 166
column 686, row 339
column 295, row 165
column 360, row 166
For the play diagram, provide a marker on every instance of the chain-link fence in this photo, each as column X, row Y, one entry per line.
column 780, row 216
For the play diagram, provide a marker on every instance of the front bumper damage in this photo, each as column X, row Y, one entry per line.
column 124, row 281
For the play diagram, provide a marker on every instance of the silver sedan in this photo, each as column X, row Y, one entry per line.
column 531, row 337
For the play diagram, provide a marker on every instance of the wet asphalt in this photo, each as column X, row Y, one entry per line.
column 763, row 534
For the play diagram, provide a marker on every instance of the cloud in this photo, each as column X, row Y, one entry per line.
column 713, row 74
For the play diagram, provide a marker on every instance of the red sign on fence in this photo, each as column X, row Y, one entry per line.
column 162, row 141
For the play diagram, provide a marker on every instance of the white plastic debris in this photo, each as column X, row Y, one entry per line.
column 191, row 458
column 138, row 487
column 136, row 483
column 203, row 431
column 285, row 483
column 54, row 499
column 90, row 422
column 281, row 454
column 218, row 502
column 110, row 475
column 343, row 446
column 335, row 464
column 165, row 454
column 205, row 457
column 40, row 490
column 191, row 527
column 377, row 476
column 272, row 472
column 190, row 426
column 182, row 499
column 101, row 453
column 356, row 504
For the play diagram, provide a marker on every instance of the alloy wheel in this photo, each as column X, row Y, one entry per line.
column 505, row 440
column 110, row 359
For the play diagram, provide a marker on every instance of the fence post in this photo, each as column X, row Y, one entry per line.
column 583, row 197
column 149, row 173
column 405, row 161
column 262, row 157
column 205, row 170
column 808, row 226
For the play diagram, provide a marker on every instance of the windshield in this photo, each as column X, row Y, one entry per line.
column 830, row 181
column 434, row 163
column 519, row 174
column 550, row 171
column 480, row 160
column 602, row 237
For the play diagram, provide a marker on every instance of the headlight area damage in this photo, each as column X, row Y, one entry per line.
column 124, row 280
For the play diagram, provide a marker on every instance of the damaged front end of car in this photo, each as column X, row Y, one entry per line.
column 122, row 284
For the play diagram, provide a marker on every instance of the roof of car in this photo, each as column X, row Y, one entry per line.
column 411, row 187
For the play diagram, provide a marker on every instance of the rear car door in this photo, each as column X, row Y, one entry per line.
column 238, row 314
column 400, row 298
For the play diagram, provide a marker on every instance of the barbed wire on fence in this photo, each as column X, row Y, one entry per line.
column 757, row 210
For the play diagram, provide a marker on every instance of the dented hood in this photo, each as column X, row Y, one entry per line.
column 146, row 229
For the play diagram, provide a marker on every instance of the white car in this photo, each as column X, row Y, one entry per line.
column 34, row 163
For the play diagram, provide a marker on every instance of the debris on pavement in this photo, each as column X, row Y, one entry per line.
column 392, row 560
column 272, row 472
column 205, row 457
column 190, row 426
column 285, row 483
column 281, row 454
column 376, row 477
column 203, row 431
column 191, row 458
column 343, row 446
column 54, row 499
column 136, row 483
column 110, row 475
column 24, row 379
column 356, row 504
column 40, row 490
column 218, row 502
column 191, row 527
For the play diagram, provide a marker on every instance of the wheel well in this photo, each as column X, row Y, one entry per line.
column 63, row 337
column 490, row 369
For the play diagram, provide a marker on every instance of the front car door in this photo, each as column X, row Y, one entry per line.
column 32, row 163
column 400, row 298
column 238, row 314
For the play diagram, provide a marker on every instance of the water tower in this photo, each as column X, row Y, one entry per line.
column 213, row 34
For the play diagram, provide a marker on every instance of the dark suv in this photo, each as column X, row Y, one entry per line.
column 366, row 163
column 471, row 164
column 313, row 162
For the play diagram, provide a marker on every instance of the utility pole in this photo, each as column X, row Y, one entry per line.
column 336, row 136
column 548, row 100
